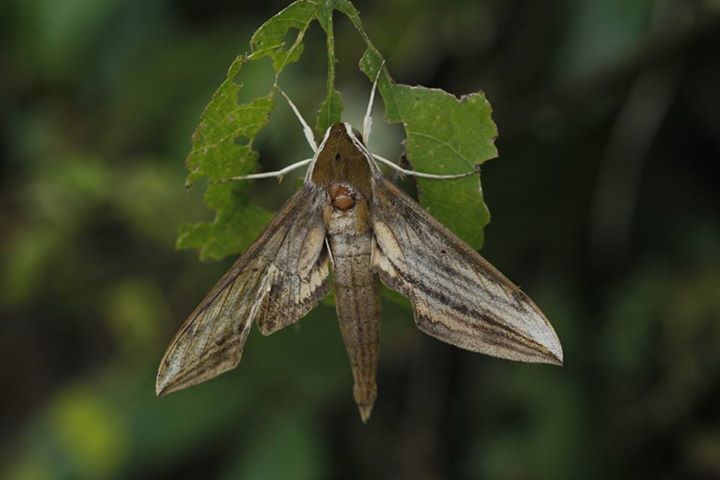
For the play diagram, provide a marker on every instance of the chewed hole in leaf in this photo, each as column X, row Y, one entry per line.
column 241, row 140
column 255, row 79
column 290, row 37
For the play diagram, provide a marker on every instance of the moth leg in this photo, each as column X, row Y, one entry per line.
column 277, row 173
column 367, row 121
column 329, row 250
column 309, row 136
column 421, row 174
column 404, row 163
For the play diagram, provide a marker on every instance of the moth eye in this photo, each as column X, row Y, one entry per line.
column 337, row 157
column 343, row 202
column 341, row 197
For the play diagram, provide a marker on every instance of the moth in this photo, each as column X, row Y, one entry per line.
column 349, row 218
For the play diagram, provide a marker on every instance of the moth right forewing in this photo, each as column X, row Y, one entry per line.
column 457, row 296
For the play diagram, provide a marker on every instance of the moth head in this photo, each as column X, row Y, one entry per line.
column 342, row 160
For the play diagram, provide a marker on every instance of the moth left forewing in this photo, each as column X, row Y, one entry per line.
column 297, row 278
column 457, row 296
column 281, row 277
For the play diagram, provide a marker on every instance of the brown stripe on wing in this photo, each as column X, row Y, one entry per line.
column 457, row 296
column 257, row 286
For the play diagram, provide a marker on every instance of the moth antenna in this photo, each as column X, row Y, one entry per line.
column 424, row 175
column 309, row 136
column 367, row 121
column 276, row 174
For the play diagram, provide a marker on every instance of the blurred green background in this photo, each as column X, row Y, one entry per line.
column 606, row 210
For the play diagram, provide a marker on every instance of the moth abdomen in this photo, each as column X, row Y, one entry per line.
column 357, row 302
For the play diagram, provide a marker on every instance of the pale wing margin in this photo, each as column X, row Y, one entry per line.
column 280, row 278
column 457, row 296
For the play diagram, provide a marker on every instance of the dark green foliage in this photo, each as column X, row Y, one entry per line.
column 98, row 102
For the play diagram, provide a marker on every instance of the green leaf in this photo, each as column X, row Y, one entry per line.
column 222, row 144
column 444, row 135
column 222, row 148
column 331, row 108
column 330, row 112
column 217, row 152
column 233, row 229
column 269, row 39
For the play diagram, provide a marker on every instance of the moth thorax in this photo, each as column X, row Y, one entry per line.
column 342, row 197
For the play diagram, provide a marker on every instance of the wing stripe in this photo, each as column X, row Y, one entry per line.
column 263, row 285
column 457, row 295
column 294, row 205
column 464, row 311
